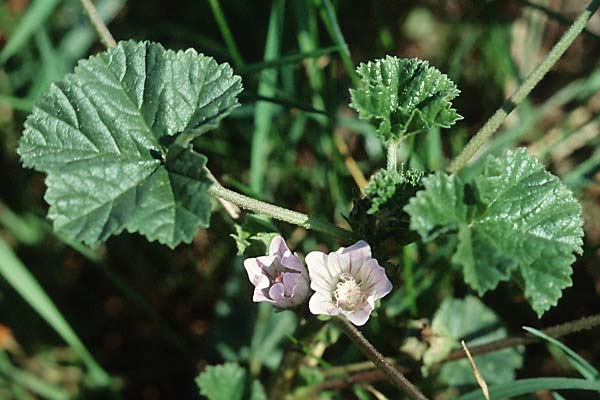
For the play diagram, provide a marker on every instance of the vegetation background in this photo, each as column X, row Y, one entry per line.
column 154, row 317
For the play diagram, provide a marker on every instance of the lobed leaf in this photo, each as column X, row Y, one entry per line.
column 520, row 217
column 402, row 96
column 105, row 136
column 454, row 322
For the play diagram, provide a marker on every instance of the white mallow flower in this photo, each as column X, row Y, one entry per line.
column 346, row 282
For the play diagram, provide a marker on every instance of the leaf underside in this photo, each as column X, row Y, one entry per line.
column 524, row 219
column 104, row 135
column 400, row 96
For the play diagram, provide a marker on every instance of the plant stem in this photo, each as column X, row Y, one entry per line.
column 105, row 36
column 392, row 155
column 226, row 32
column 393, row 374
column 522, row 91
column 280, row 213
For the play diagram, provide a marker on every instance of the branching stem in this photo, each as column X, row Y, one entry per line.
column 522, row 91
column 106, row 37
column 393, row 374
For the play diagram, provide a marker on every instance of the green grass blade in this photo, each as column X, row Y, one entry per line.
column 264, row 111
column 582, row 366
column 17, row 275
column 30, row 23
column 226, row 32
column 524, row 386
column 333, row 27
column 287, row 60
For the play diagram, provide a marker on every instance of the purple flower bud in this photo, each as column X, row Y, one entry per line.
column 346, row 282
column 279, row 278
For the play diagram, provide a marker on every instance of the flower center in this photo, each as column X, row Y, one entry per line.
column 278, row 278
column 348, row 294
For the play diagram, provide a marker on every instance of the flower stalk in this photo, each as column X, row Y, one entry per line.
column 394, row 375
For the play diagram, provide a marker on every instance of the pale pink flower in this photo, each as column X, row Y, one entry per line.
column 279, row 278
column 346, row 282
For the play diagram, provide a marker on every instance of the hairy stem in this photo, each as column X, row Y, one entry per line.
column 393, row 374
column 392, row 155
column 522, row 91
column 105, row 36
column 280, row 213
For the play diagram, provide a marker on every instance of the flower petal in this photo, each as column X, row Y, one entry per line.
column 356, row 256
column 321, row 304
column 256, row 273
column 278, row 247
column 360, row 316
column 259, row 295
column 374, row 280
column 277, row 293
column 321, row 279
column 292, row 261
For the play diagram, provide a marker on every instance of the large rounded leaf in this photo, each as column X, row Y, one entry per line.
column 105, row 134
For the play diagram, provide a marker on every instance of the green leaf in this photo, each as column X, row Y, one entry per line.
column 106, row 136
column 454, row 322
column 401, row 96
column 514, row 216
column 228, row 382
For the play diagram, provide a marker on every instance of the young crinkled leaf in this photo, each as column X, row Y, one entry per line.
column 400, row 96
column 522, row 218
column 105, row 136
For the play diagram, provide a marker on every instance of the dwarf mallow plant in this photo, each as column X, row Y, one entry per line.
column 116, row 139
